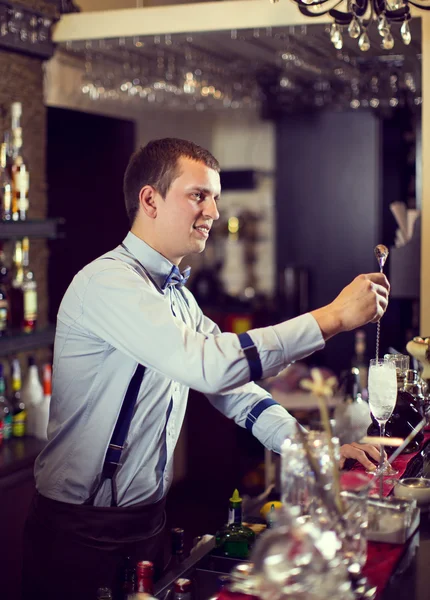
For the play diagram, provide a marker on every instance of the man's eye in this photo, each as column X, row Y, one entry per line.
column 197, row 195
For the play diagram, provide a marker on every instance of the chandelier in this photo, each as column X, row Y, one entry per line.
column 357, row 15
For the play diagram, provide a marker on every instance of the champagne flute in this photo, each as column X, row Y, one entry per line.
column 382, row 397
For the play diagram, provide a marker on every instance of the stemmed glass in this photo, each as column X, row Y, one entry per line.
column 382, row 397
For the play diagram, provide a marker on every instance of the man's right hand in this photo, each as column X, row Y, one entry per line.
column 363, row 301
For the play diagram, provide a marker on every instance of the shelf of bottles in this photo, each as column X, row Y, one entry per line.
column 24, row 401
column 18, row 285
column 15, row 341
column 48, row 229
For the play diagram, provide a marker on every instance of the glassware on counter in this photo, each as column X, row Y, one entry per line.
column 299, row 560
column 382, row 398
column 297, row 480
column 301, row 494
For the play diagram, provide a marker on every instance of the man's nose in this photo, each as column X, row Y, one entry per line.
column 211, row 209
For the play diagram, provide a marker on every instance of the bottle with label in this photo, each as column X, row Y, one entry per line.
column 20, row 173
column 5, row 185
column 128, row 578
column 352, row 416
column 16, row 295
column 32, row 395
column 4, row 295
column 145, row 576
column 235, row 539
column 41, row 412
column 19, row 420
column 5, row 408
column 29, row 291
column 177, row 538
column 182, row 589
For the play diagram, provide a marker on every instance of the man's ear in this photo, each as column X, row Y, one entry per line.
column 148, row 201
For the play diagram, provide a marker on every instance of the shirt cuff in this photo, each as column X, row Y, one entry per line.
column 273, row 426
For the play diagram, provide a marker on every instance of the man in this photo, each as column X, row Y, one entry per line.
column 130, row 342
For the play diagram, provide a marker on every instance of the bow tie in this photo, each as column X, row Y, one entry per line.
column 176, row 278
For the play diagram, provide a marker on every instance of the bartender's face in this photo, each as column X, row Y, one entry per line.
column 185, row 216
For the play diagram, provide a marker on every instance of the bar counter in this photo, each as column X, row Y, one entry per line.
column 17, row 458
column 404, row 569
column 409, row 580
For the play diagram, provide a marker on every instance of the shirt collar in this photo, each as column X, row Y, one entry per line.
column 155, row 263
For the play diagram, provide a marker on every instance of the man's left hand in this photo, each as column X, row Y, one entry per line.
column 360, row 452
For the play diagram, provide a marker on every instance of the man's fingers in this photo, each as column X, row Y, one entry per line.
column 362, row 458
column 361, row 452
column 370, row 449
column 381, row 291
column 379, row 279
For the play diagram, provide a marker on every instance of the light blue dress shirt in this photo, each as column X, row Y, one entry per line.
column 114, row 315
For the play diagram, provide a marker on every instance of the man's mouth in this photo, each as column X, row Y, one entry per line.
column 203, row 229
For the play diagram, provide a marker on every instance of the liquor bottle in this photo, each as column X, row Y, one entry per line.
column 19, row 419
column 16, row 295
column 4, row 295
column 128, row 578
column 145, row 576
column 29, row 290
column 177, row 539
column 5, row 408
column 32, row 395
column 182, row 589
column 408, row 410
column 235, row 539
column 352, row 416
column 20, row 173
column 5, row 185
column 359, row 360
column 41, row 410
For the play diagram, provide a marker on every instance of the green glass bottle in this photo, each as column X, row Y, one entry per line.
column 5, row 409
column 235, row 540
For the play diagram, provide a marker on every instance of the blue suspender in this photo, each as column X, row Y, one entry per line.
column 116, row 444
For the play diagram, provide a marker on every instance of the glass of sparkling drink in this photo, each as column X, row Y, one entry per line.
column 382, row 396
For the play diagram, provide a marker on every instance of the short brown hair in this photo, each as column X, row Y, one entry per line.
column 156, row 164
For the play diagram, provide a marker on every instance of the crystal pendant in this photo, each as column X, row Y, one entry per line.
column 364, row 42
column 334, row 33
column 338, row 42
column 382, row 25
column 387, row 41
column 354, row 29
column 406, row 33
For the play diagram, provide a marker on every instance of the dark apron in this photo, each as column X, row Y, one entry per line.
column 71, row 550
